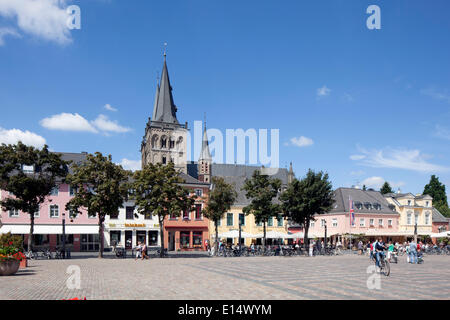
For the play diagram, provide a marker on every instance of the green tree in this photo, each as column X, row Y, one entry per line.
column 436, row 189
column 307, row 197
column 157, row 191
column 30, row 188
column 262, row 190
column 386, row 188
column 101, row 188
column 221, row 198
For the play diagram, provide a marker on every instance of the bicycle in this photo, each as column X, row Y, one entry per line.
column 385, row 267
column 46, row 253
column 30, row 255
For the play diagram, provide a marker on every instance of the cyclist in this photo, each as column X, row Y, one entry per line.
column 379, row 251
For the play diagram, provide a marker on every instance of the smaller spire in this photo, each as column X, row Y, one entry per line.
column 165, row 48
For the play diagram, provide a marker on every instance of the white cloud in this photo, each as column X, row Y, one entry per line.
column 442, row 132
column 104, row 124
column 373, row 182
column 324, row 91
column 348, row 97
column 301, row 141
column 405, row 159
column 7, row 32
column 435, row 94
column 15, row 135
column 110, row 108
column 357, row 157
column 377, row 183
column 76, row 122
column 68, row 122
column 44, row 19
column 130, row 164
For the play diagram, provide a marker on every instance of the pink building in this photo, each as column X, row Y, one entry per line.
column 373, row 216
column 81, row 231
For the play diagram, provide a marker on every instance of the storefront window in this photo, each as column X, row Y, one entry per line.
column 69, row 239
column 184, row 239
column 40, row 239
column 90, row 242
column 114, row 237
column 153, row 238
column 197, row 238
column 141, row 237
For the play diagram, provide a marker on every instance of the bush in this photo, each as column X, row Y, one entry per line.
column 15, row 240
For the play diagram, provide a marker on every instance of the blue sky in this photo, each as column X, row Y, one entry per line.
column 371, row 105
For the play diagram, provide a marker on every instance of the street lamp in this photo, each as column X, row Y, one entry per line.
column 64, row 235
column 325, row 225
column 240, row 230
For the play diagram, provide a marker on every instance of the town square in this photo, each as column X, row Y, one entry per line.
column 188, row 151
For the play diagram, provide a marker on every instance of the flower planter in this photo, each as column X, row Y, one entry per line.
column 23, row 263
column 9, row 267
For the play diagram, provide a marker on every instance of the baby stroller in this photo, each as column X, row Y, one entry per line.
column 420, row 257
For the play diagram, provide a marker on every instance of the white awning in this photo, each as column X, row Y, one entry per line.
column 50, row 229
column 440, row 235
column 235, row 234
column 273, row 235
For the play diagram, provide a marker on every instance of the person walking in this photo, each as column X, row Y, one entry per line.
column 311, row 248
column 144, row 251
column 360, row 247
column 138, row 251
column 413, row 252
column 390, row 251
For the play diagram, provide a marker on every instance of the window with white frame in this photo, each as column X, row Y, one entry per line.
column 334, row 222
column 416, row 217
column 389, row 222
column 427, row 218
column 322, row 222
column 427, row 204
column 54, row 191
column 54, row 211
column 311, row 224
column 380, row 222
column 408, row 218
column 362, row 222
column 72, row 191
column 409, row 202
column 37, row 213
column 14, row 213
column 198, row 192
column 372, row 222
column 229, row 219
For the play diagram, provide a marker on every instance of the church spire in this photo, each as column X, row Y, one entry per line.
column 164, row 109
column 205, row 154
column 291, row 175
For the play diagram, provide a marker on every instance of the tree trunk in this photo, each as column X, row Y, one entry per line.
column 161, row 234
column 305, row 236
column 216, row 245
column 100, row 235
column 30, row 235
column 264, row 236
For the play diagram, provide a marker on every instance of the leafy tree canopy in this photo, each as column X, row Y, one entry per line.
column 386, row 188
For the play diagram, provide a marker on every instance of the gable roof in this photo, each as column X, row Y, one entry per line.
column 436, row 216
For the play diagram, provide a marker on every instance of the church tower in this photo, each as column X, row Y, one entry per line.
column 165, row 139
column 291, row 175
column 205, row 160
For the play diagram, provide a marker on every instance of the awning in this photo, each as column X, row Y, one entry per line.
column 50, row 229
column 273, row 235
column 440, row 235
column 235, row 234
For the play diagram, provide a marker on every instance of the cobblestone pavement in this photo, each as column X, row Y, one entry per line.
column 338, row 277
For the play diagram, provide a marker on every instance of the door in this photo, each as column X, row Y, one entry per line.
column 128, row 239
column 171, row 241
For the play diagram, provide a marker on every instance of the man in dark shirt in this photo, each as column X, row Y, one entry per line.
column 379, row 251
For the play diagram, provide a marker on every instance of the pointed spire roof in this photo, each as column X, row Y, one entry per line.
column 164, row 109
column 205, row 154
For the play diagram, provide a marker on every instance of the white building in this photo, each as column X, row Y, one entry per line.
column 129, row 227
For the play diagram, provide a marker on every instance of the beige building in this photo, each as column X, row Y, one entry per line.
column 413, row 209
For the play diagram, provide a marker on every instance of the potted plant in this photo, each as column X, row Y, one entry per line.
column 10, row 255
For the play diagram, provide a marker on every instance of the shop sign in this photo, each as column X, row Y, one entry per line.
column 134, row 225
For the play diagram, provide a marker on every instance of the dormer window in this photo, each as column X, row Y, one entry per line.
column 427, row 204
column 27, row 169
column 409, row 202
